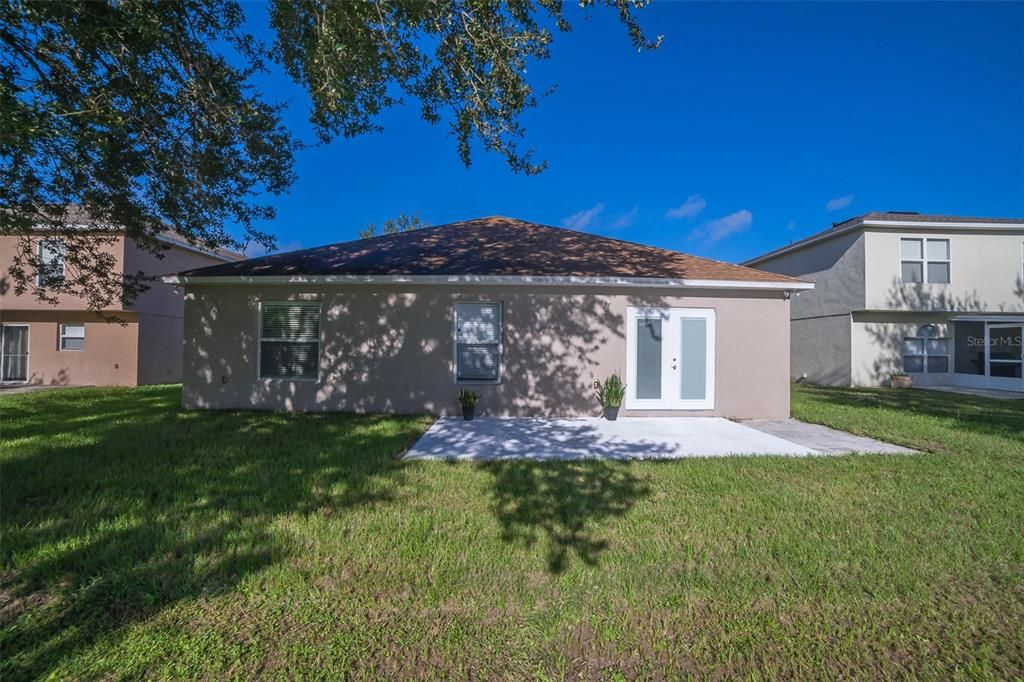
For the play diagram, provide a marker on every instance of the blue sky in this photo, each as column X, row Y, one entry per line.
column 753, row 125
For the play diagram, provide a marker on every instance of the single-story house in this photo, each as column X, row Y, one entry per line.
column 528, row 316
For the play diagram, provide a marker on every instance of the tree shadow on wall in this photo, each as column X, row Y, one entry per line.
column 392, row 351
column 888, row 336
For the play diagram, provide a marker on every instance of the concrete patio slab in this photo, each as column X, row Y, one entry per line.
column 822, row 439
column 497, row 438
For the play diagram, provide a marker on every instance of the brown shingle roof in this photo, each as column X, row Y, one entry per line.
column 494, row 246
column 912, row 217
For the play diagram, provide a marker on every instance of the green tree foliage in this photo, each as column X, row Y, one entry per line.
column 401, row 223
column 144, row 115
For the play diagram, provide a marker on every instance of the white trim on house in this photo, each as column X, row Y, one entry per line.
column 259, row 341
column 62, row 335
column 925, row 260
column 200, row 251
column 455, row 343
column 40, row 263
column 28, row 353
column 501, row 280
column 986, row 318
column 885, row 224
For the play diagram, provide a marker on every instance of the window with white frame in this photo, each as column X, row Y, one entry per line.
column 289, row 340
column 50, row 260
column 478, row 342
column 924, row 260
column 927, row 352
column 72, row 336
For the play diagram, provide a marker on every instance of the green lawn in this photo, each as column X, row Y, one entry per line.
column 139, row 540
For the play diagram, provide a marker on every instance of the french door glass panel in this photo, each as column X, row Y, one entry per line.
column 671, row 358
column 14, row 349
column 693, row 359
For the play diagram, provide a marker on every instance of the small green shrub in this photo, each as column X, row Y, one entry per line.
column 612, row 392
column 468, row 398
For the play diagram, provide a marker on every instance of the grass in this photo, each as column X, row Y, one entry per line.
column 139, row 540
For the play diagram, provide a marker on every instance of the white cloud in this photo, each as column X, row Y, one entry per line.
column 716, row 230
column 693, row 205
column 791, row 225
column 581, row 220
column 839, row 203
column 626, row 219
column 256, row 250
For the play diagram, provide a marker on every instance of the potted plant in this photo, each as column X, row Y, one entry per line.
column 610, row 394
column 468, row 400
column 901, row 380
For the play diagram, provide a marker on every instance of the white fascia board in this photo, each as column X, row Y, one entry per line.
column 500, row 280
column 944, row 225
column 196, row 249
column 987, row 318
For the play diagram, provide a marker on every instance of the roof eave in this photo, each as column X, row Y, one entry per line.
column 884, row 224
column 499, row 280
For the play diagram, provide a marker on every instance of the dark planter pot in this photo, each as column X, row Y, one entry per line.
column 902, row 382
column 468, row 412
column 611, row 413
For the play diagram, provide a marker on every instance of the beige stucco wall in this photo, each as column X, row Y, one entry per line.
column 391, row 350
column 877, row 345
column 985, row 273
column 110, row 357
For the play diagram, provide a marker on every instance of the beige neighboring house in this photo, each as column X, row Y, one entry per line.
column 938, row 297
column 67, row 344
column 526, row 315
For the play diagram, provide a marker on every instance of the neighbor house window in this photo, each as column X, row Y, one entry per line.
column 478, row 342
column 924, row 260
column 50, row 270
column 72, row 337
column 289, row 340
column 926, row 352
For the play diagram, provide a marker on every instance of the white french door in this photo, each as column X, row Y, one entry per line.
column 670, row 358
column 13, row 353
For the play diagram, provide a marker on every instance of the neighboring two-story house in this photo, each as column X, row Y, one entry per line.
column 938, row 297
column 67, row 344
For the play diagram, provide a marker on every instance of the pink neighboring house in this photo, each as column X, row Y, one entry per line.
column 66, row 344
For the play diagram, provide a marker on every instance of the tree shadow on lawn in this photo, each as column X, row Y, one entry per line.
column 985, row 416
column 117, row 505
column 563, row 500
